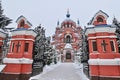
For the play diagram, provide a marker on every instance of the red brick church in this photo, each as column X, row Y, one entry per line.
column 67, row 38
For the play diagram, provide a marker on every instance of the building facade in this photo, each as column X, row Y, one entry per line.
column 104, row 59
column 19, row 59
column 67, row 39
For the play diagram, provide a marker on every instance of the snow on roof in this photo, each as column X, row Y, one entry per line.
column 68, row 45
column 100, row 12
column 60, row 35
column 76, row 34
column 22, row 17
column 2, row 67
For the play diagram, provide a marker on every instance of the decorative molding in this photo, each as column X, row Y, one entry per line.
column 18, row 60
column 22, row 39
column 102, row 37
column 115, row 61
column 24, row 32
column 99, row 29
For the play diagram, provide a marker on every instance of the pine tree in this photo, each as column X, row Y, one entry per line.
column 4, row 21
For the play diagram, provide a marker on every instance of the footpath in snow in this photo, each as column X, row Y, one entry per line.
column 61, row 71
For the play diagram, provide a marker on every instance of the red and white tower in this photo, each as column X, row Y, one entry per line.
column 104, row 58
column 19, row 59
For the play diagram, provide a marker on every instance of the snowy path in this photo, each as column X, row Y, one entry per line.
column 64, row 71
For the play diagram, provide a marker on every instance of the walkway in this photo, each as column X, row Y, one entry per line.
column 63, row 71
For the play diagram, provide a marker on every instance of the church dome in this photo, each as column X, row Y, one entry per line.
column 68, row 22
column 68, row 46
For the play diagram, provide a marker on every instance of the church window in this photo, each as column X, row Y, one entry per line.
column 112, row 45
column 99, row 19
column 94, row 45
column 22, row 23
column 70, row 25
column 26, row 47
column 67, row 25
column 0, row 49
column 68, row 39
column 12, row 49
column 104, row 45
column 18, row 47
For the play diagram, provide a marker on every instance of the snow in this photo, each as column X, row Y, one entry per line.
column 60, row 35
column 62, row 71
column 2, row 67
column 46, row 69
column 68, row 46
column 18, row 60
column 98, row 61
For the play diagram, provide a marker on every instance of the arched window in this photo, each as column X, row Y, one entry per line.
column 67, row 25
column 22, row 23
column 99, row 19
column 68, row 39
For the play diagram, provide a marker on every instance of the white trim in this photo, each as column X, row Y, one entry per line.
column 104, row 61
column 18, row 60
column 102, row 37
column 110, row 76
column 24, row 32
column 22, row 39
column 99, row 30
column 106, row 76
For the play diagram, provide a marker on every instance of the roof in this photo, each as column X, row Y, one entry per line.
column 23, row 18
column 68, row 20
column 68, row 46
column 98, row 26
column 100, row 11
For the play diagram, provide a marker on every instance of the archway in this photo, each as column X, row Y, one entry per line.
column 68, row 39
column 68, row 55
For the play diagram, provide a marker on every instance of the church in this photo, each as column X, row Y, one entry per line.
column 67, row 39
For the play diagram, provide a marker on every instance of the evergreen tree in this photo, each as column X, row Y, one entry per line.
column 4, row 21
column 116, row 23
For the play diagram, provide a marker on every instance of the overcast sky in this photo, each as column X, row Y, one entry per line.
column 48, row 12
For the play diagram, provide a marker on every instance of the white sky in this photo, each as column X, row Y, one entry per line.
column 48, row 12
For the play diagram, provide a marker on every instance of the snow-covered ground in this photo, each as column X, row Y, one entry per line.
column 61, row 71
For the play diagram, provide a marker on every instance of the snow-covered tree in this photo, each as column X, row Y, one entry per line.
column 4, row 21
column 116, row 24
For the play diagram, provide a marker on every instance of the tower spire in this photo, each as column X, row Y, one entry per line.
column 78, row 22
column 68, row 14
column 58, row 23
